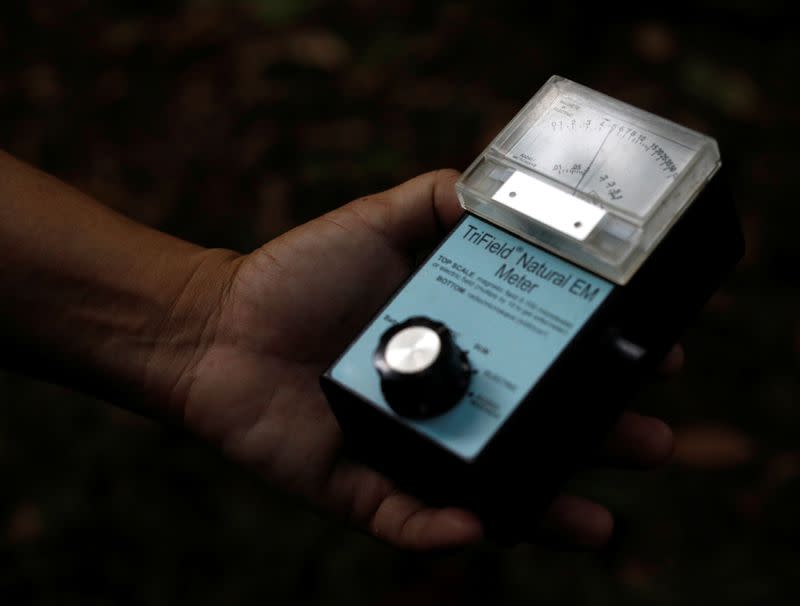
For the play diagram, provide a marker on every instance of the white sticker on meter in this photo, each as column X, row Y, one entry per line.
column 549, row 205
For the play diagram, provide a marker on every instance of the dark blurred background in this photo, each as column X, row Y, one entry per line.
column 229, row 122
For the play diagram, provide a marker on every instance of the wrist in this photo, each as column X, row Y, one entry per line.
column 186, row 327
column 95, row 301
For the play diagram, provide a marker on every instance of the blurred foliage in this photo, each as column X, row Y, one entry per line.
column 229, row 122
column 282, row 11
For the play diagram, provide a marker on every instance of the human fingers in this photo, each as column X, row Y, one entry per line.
column 673, row 361
column 573, row 521
column 370, row 500
column 413, row 214
column 638, row 442
column 406, row 522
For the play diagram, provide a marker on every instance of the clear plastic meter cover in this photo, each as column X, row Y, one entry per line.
column 593, row 179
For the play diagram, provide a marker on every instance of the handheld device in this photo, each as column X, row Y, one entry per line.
column 593, row 233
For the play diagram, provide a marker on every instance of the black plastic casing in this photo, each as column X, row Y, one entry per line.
column 561, row 422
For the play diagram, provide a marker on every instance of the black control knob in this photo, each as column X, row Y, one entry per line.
column 423, row 372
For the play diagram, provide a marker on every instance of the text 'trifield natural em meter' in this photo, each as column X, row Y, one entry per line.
column 585, row 248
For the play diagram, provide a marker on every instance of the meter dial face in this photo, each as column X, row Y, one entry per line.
column 618, row 163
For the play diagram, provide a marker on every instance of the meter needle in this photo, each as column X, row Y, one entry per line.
column 597, row 153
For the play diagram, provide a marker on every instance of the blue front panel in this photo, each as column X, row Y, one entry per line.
column 512, row 306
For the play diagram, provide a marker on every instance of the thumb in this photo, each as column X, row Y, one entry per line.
column 415, row 213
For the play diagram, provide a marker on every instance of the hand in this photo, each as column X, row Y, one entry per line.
column 287, row 310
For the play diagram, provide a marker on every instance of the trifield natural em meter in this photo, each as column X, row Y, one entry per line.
column 593, row 232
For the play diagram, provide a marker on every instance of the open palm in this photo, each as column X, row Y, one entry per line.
column 288, row 309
